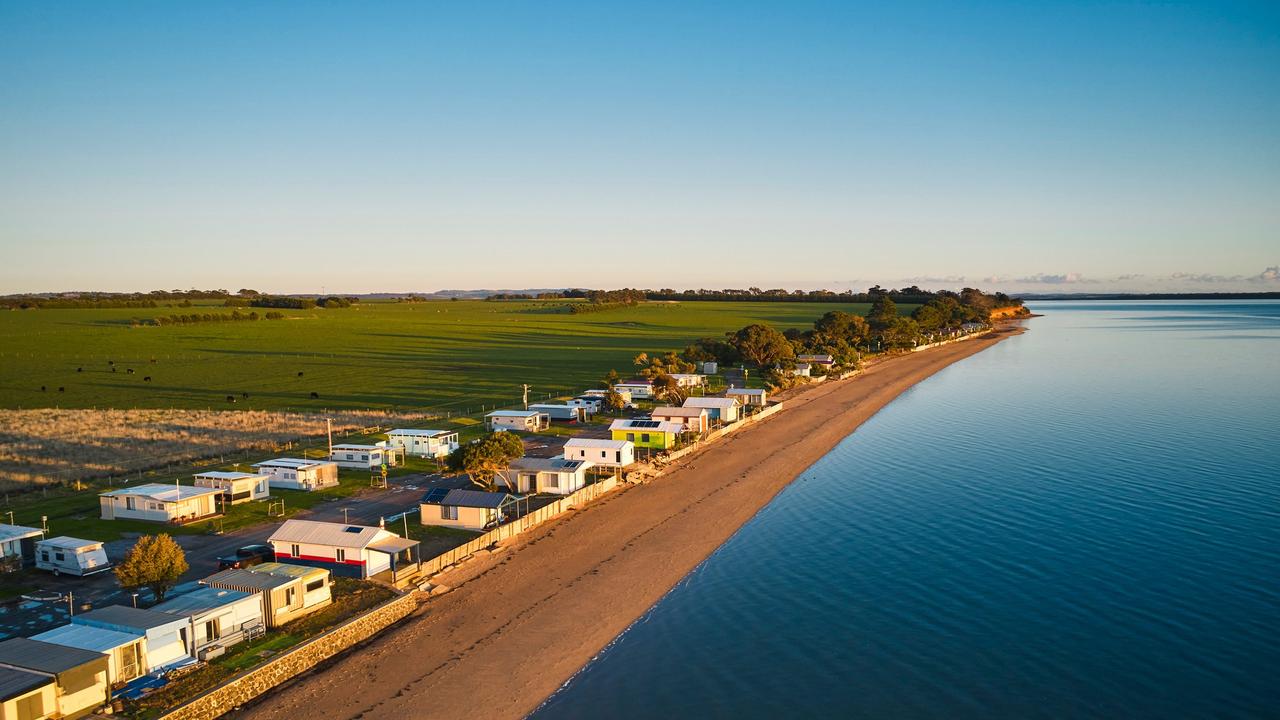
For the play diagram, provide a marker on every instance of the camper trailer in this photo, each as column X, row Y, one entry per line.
column 71, row 556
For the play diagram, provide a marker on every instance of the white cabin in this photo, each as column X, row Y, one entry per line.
column 555, row 476
column 604, row 453
column 236, row 487
column 424, row 443
column 522, row 420
column 297, row 474
column 366, row 457
column 159, row 503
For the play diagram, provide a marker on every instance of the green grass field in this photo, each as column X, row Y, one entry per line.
column 435, row 356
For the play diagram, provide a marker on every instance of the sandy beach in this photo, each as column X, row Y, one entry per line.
column 520, row 622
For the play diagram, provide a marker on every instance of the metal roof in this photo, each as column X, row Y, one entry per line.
column 679, row 411
column 14, row 683
column 745, row 391
column 353, row 446
column 226, row 475
column 287, row 570
column 421, row 433
column 291, row 463
column 118, row 616
column 552, row 464
column 201, row 601
column 87, row 637
column 393, row 545
column 45, row 656
column 327, row 533
column 63, row 542
column 475, row 499
column 164, row 493
column 18, row 532
column 514, row 413
column 711, row 402
column 597, row 443
column 242, row 578
column 650, row 425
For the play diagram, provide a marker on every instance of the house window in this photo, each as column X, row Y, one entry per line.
column 130, row 503
column 618, row 459
column 340, row 555
column 290, row 594
column 212, row 631
column 295, row 551
column 449, row 512
column 631, row 437
column 553, row 481
column 315, row 585
column 31, row 706
column 644, row 437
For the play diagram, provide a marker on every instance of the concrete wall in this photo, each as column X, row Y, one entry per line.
column 252, row 683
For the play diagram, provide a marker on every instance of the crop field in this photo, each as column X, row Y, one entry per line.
column 438, row 357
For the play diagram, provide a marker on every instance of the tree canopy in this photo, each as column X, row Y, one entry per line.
column 482, row 460
column 762, row 345
column 154, row 562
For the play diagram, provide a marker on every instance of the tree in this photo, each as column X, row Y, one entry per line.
column 839, row 325
column 668, row 390
column 882, row 314
column 482, row 460
column 610, row 380
column 613, row 401
column 762, row 345
column 154, row 562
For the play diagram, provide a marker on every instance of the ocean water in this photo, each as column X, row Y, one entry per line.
column 1081, row 522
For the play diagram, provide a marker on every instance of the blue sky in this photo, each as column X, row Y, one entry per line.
column 358, row 147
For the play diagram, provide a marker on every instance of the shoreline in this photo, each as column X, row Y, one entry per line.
column 522, row 625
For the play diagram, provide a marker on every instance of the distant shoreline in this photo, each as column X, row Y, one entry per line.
column 521, row 622
column 1033, row 297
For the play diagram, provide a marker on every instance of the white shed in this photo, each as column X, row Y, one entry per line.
column 602, row 452
column 424, row 443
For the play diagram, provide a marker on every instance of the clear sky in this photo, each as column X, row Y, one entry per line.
column 362, row 147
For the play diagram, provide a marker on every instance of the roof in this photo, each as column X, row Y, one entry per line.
column 552, row 464
column 647, row 383
column 225, row 475
column 287, row 570
column 821, row 358
column 44, row 656
column 467, row 498
column 513, row 413
column 20, row 682
column 291, row 463
column 711, row 402
column 354, row 446
column 744, row 391
column 18, row 532
column 597, row 443
column 687, row 375
column 124, row 616
column 679, row 411
column 265, row 576
column 163, row 493
column 87, row 637
column 62, row 542
column 651, row 425
column 201, row 601
column 393, row 545
column 327, row 533
column 421, row 433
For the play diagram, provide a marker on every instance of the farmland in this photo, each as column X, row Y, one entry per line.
column 439, row 357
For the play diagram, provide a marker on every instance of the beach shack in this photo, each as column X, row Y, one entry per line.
column 216, row 618
column 164, row 636
column 823, row 359
column 464, row 509
column 26, row 695
column 694, row 419
column 636, row 389
column 723, row 409
column 236, row 487
column 593, row 403
column 424, row 443
column 555, row 476
column 72, row 556
column 78, row 677
column 653, row 434
column 565, row 411
column 522, row 420
column 358, row 551
column 126, row 658
column 689, row 380
column 287, row 592
column 604, row 453
column 299, row 474
column 18, row 546
column 753, row 397
column 366, row 457
column 156, row 502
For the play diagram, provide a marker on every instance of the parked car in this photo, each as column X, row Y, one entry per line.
column 247, row 556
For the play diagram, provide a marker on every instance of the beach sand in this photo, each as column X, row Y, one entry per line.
column 520, row 622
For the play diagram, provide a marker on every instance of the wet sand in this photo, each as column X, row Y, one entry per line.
column 520, row 622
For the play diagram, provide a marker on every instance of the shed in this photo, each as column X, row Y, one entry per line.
column 465, row 509
column 567, row 411
column 17, row 546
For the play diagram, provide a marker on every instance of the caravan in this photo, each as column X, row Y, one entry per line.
column 71, row 556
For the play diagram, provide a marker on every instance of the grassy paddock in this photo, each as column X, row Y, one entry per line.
column 441, row 356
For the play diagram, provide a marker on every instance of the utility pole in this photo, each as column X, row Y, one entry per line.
column 328, row 426
column 526, row 396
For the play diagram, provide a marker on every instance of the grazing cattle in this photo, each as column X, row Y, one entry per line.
column 244, row 395
column 315, row 396
column 130, row 371
column 61, row 389
column 153, row 361
column 113, row 370
column 231, row 398
column 79, row 369
column 299, row 373
column 111, row 362
column 43, row 388
column 146, row 379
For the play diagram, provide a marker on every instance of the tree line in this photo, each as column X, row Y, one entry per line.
column 233, row 316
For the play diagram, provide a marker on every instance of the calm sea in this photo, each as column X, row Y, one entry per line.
column 1083, row 521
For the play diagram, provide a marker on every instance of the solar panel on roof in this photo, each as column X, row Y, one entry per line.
column 644, row 423
column 435, row 495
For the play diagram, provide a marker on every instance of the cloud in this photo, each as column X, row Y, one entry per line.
column 936, row 279
column 1130, row 276
column 1064, row 279
column 1205, row 277
column 1270, row 275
